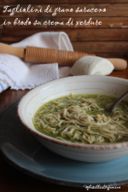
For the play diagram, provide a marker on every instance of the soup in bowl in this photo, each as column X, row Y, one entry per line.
column 68, row 116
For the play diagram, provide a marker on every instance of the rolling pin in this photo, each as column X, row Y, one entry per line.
column 46, row 55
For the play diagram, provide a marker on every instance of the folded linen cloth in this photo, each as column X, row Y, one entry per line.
column 92, row 65
column 16, row 74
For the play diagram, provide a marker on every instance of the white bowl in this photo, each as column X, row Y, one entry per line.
column 30, row 103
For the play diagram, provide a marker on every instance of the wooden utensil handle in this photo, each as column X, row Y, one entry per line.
column 45, row 55
column 119, row 64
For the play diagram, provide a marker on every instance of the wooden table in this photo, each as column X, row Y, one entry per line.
column 12, row 180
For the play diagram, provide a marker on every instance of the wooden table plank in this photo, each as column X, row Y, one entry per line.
column 75, row 35
column 70, row 10
column 102, row 46
column 2, row 2
column 52, row 23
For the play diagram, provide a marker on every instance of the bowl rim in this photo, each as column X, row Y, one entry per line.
column 67, row 143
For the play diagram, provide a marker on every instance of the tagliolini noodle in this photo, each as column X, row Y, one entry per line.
column 82, row 119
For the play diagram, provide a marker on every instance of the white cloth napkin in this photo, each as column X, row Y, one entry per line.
column 16, row 74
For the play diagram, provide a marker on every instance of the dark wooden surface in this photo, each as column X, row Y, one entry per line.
column 12, row 180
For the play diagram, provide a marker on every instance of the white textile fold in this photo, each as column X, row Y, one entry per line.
column 16, row 74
